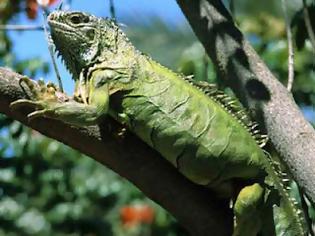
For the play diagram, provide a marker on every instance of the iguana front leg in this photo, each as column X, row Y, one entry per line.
column 72, row 112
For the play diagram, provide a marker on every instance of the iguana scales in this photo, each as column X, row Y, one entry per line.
column 197, row 128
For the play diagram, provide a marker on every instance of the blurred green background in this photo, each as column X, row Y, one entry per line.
column 46, row 188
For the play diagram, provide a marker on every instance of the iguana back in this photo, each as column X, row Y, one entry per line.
column 194, row 131
column 197, row 128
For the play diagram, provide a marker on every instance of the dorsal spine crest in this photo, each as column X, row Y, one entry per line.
column 231, row 106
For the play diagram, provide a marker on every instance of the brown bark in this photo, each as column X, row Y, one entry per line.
column 238, row 64
column 194, row 206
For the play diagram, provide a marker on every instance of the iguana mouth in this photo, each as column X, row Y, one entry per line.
column 65, row 36
column 57, row 26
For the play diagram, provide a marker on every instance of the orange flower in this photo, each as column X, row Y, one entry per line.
column 32, row 7
column 136, row 214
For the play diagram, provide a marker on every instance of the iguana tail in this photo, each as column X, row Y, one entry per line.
column 289, row 218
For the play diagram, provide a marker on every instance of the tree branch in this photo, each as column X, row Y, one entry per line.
column 290, row 45
column 308, row 25
column 21, row 27
column 194, row 206
column 239, row 65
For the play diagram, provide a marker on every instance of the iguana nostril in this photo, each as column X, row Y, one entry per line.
column 54, row 15
column 51, row 16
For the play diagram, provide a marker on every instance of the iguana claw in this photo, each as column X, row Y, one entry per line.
column 23, row 103
column 36, row 114
column 43, row 96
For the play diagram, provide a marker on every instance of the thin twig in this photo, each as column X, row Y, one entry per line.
column 51, row 50
column 112, row 9
column 232, row 7
column 290, row 47
column 132, row 159
column 237, row 64
column 308, row 25
column 305, row 211
column 21, row 27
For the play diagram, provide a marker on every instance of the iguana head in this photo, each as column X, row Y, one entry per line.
column 80, row 38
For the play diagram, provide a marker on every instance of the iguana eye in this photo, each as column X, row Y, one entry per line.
column 75, row 20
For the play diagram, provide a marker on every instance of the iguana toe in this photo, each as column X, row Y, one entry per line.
column 36, row 114
column 24, row 103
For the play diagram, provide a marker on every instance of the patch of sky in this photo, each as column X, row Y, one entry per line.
column 6, row 147
column 309, row 113
column 28, row 44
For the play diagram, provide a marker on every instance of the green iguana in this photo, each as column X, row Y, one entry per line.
column 197, row 128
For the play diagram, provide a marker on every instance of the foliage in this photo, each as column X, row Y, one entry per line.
column 47, row 188
column 165, row 43
column 272, row 46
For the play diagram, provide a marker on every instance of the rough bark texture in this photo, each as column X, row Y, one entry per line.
column 239, row 65
column 194, row 206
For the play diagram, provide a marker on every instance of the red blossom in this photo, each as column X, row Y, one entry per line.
column 32, row 7
column 133, row 215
